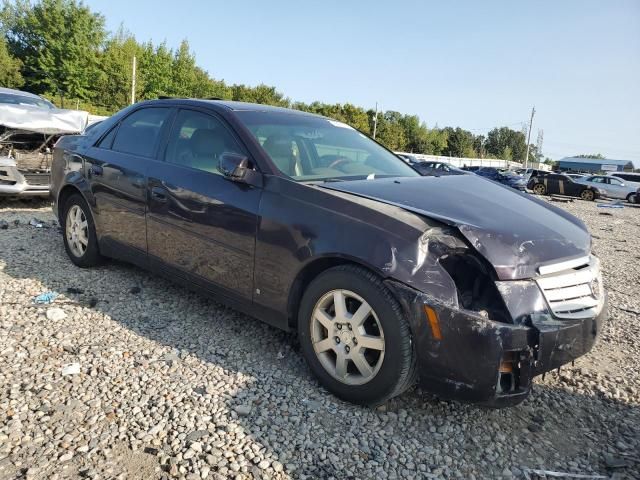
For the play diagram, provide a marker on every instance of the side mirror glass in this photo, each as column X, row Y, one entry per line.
column 234, row 166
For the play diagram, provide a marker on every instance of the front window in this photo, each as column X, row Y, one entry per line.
column 615, row 181
column 308, row 148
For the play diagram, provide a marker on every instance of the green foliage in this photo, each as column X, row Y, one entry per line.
column 459, row 143
column 59, row 43
column 62, row 50
column 10, row 75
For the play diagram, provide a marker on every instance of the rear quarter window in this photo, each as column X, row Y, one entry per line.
column 139, row 133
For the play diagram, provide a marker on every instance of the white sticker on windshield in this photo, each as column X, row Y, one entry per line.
column 340, row 124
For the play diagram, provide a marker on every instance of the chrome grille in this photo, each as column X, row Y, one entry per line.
column 575, row 291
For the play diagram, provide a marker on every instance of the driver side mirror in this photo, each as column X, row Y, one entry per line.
column 234, row 166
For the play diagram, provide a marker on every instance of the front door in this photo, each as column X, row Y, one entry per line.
column 116, row 168
column 200, row 224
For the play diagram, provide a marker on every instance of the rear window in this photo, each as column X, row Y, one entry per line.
column 11, row 99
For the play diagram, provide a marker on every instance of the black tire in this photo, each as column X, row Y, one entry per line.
column 632, row 198
column 587, row 195
column 91, row 256
column 398, row 369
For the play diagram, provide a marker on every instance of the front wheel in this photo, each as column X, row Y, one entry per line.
column 79, row 233
column 354, row 336
column 587, row 195
column 632, row 198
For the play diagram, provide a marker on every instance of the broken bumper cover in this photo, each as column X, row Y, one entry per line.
column 467, row 363
column 14, row 183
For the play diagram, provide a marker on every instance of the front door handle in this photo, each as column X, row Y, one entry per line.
column 159, row 194
column 95, row 171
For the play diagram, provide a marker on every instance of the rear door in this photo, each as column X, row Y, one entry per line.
column 200, row 225
column 115, row 167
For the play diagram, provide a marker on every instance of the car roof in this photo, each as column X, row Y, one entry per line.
column 231, row 105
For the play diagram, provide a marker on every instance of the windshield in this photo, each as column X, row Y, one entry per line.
column 310, row 148
column 24, row 100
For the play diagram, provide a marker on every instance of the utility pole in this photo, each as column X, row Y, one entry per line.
column 526, row 159
column 133, row 81
column 539, row 144
column 375, row 122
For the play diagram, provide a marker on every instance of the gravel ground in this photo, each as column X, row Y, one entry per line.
column 133, row 377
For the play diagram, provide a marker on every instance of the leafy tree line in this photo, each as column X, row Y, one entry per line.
column 61, row 50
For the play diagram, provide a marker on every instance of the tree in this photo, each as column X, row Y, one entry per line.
column 183, row 76
column 459, row 143
column 114, row 79
column 155, row 64
column 499, row 139
column 390, row 132
column 58, row 42
column 10, row 75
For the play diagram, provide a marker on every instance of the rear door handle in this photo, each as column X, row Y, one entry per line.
column 159, row 194
column 95, row 170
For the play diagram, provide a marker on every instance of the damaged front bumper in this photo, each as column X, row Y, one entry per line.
column 15, row 183
column 475, row 359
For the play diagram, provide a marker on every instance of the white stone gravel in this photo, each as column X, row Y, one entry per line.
column 172, row 385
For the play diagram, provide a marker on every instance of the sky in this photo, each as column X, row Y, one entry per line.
column 472, row 64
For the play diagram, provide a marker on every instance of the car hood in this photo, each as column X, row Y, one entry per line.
column 516, row 233
column 42, row 120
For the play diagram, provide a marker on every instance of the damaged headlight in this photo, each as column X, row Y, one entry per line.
column 473, row 278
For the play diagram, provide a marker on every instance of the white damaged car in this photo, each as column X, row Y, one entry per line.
column 29, row 127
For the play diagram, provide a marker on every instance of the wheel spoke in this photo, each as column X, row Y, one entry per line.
column 362, row 365
column 83, row 240
column 361, row 315
column 339, row 305
column 83, row 225
column 324, row 345
column 341, row 365
column 324, row 318
column 371, row 342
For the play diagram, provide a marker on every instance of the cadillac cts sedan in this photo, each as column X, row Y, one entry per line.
column 388, row 277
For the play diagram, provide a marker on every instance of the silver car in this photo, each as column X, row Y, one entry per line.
column 614, row 187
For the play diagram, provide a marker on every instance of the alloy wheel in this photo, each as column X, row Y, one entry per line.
column 539, row 189
column 347, row 337
column 77, row 231
column 587, row 195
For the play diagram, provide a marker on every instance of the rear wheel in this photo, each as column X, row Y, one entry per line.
column 539, row 189
column 79, row 233
column 587, row 195
column 354, row 336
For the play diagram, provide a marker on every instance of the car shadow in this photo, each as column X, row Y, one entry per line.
column 270, row 397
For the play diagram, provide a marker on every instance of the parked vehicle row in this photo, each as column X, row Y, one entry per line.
column 386, row 275
column 550, row 183
column 612, row 186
